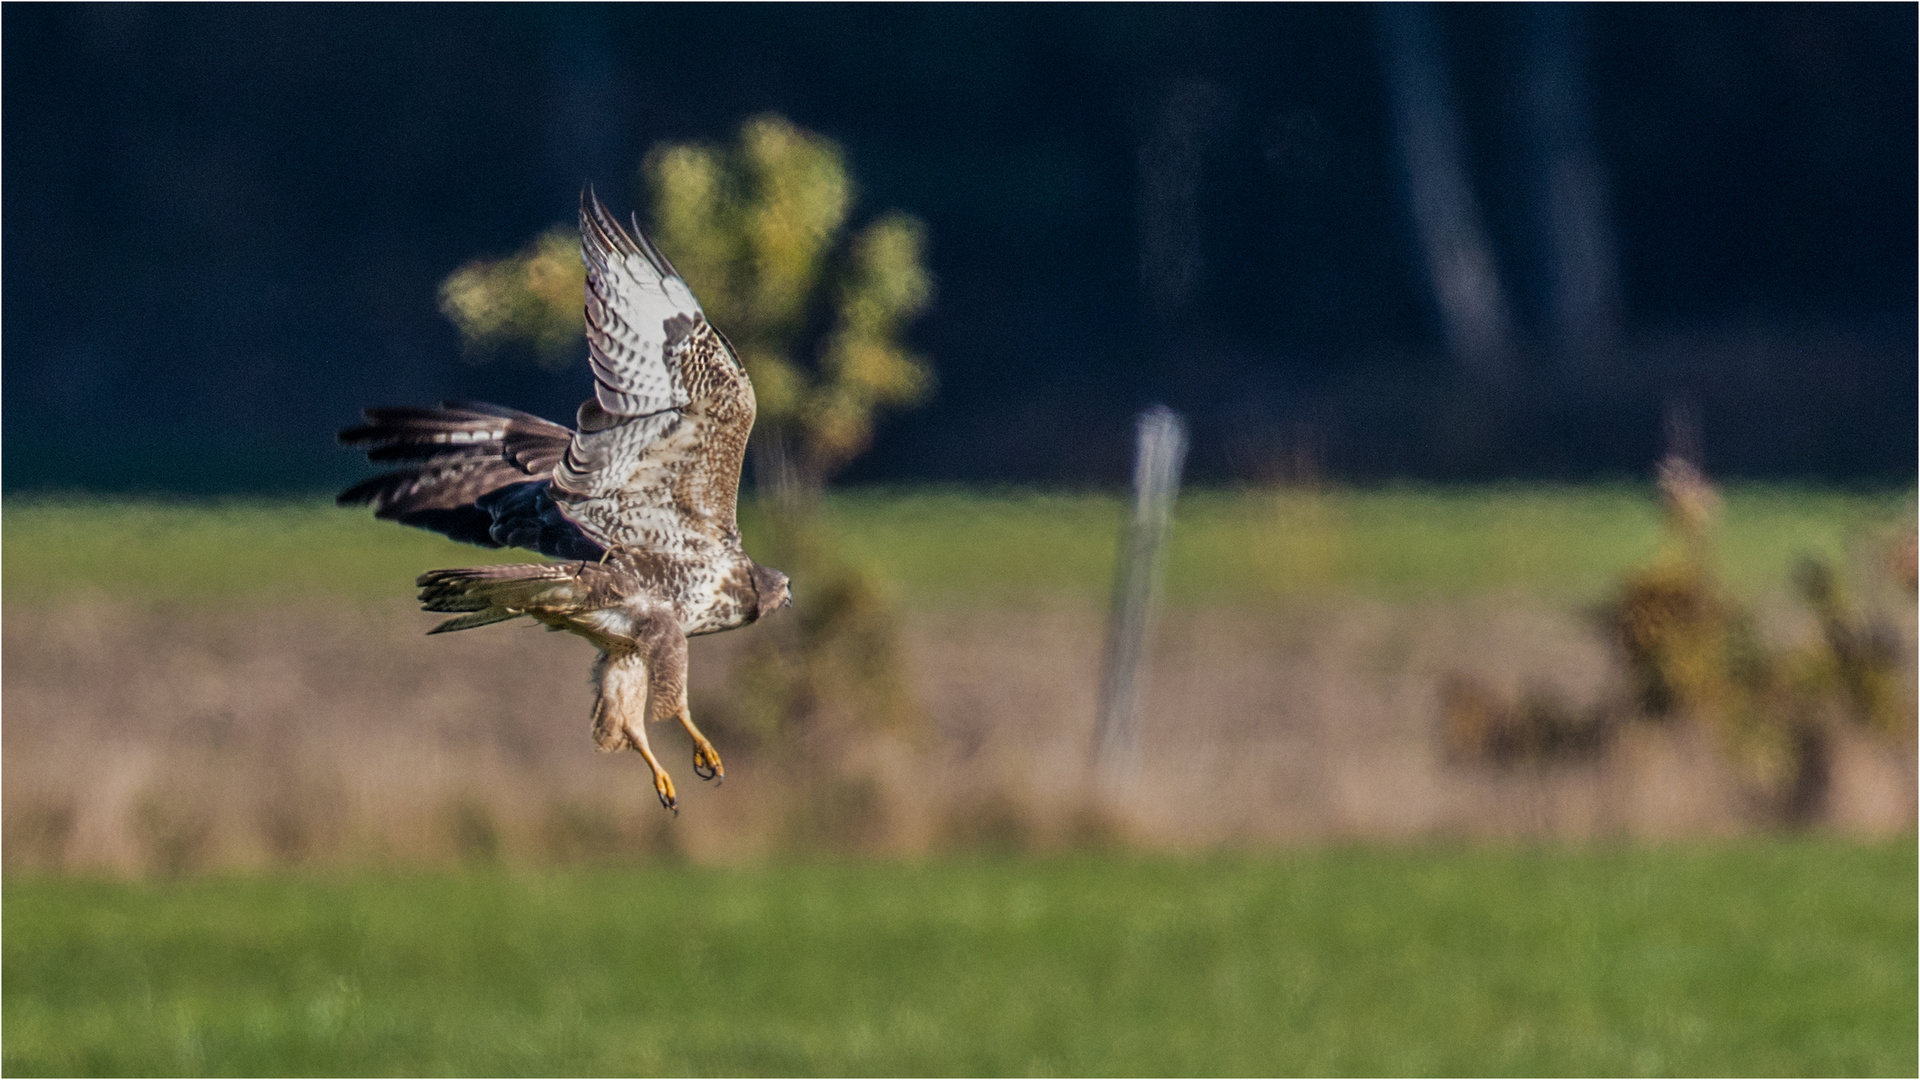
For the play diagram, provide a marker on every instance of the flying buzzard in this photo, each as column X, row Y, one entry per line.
column 637, row 506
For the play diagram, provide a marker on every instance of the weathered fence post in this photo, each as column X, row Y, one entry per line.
column 1160, row 450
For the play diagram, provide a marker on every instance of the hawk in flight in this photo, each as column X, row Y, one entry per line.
column 636, row 507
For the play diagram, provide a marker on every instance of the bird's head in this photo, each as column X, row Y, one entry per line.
column 770, row 589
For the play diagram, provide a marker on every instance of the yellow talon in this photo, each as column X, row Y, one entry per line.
column 706, row 762
column 663, row 786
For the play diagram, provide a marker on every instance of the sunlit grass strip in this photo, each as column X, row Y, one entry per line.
column 1761, row 958
column 1563, row 544
column 230, row 550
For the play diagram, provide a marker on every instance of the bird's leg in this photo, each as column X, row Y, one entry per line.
column 667, row 693
column 608, row 734
column 662, row 783
column 620, row 714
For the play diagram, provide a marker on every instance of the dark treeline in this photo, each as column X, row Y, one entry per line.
column 1447, row 244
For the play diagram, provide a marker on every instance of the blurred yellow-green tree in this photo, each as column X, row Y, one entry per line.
column 759, row 228
column 532, row 298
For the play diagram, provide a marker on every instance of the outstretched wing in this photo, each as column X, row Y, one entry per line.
column 475, row 472
column 662, row 440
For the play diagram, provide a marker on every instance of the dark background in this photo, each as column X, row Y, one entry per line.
column 224, row 228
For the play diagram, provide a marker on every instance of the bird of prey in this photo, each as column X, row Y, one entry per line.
column 636, row 507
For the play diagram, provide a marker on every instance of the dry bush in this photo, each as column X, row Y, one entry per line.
column 1861, row 655
column 1780, row 717
column 1695, row 654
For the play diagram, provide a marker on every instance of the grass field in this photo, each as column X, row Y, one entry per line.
column 1564, row 544
column 1759, row 958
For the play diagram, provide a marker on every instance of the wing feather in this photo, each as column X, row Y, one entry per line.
column 655, row 464
column 661, row 443
column 637, row 312
column 475, row 472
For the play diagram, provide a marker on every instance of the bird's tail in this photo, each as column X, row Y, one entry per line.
column 491, row 594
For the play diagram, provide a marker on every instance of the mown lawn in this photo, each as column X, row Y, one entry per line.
column 960, row 547
column 1758, row 958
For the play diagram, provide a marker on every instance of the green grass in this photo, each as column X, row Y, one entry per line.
column 1564, row 544
column 242, row 549
column 1758, row 958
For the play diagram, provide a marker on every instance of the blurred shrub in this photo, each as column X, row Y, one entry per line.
column 1861, row 654
column 1481, row 724
column 533, row 298
column 1685, row 640
column 1694, row 654
column 832, row 666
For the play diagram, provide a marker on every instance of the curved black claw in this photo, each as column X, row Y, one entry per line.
column 706, row 762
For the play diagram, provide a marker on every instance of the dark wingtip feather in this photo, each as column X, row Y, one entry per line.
column 440, row 453
column 468, row 622
column 462, row 466
column 601, row 227
column 363, row 492
column 652, row 250
column 498, row 412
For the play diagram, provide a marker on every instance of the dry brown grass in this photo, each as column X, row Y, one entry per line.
column 153, row 740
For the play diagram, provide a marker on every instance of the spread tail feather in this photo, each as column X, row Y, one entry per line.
column 491, row 594
column 479, row 618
